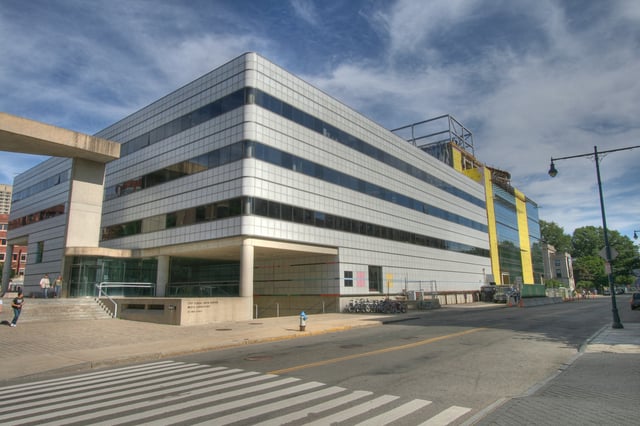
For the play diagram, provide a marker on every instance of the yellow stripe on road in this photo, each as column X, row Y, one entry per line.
column 376, row 352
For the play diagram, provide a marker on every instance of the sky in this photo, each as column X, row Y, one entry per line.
column 531, row 80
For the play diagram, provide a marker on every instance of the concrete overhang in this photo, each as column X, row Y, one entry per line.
column 223, row 249
column 26, row 136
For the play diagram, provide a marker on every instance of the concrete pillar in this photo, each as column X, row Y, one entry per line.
column 6, row 270
column 162, row 276
column 85, row 204
column 246, row 270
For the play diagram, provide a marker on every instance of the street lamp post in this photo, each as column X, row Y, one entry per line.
column 553, row 172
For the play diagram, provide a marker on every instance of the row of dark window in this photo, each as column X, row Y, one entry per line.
column 251, row 95
column 219, row 157
column 187, row 121
column 41, row 186
column 261, row 207
column 252, row 149
column 37, row 216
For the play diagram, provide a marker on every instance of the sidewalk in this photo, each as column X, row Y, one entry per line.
column 600, row 385
column 37, row 347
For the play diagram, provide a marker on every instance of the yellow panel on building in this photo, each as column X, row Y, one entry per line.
column 493, row 231
column 523, row 234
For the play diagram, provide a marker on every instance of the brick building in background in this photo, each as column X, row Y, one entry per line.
column 19, row 258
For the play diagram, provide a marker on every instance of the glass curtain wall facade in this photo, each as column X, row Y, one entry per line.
column 87, row 271
column 518, row 263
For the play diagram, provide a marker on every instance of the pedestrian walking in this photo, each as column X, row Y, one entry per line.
column 45, row 285
column 57, row 287
column 17, row 308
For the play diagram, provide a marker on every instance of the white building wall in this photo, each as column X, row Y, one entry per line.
column 258, row 179
column 50, row 232
column 413, row 265
column 403, row 262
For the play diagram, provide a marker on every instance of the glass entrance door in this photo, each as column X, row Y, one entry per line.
column 83, row 280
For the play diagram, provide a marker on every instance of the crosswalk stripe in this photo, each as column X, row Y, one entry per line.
column 82, row 377
column 393, row 415
column 447, row 416
column 26, row 396
column 274, row 406
column 99, row 393
column 76, row 404
column 234, row 404
column 112, row 406
column 354, row 411
column 191, row 402
column 319, row 408
column 164, row 393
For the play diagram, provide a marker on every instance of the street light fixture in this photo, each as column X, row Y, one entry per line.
column 553, row 172
column 635, row 235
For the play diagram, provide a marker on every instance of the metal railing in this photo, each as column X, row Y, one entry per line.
column 104, row 285
column 319, row 307
column 223, row 288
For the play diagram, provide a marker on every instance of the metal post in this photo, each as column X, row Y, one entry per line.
column 553, row 172
column 614, row 306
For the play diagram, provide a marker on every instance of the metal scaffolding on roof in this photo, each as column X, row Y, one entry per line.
column 437, row 131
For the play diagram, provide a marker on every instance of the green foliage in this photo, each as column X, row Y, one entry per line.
column 587, row 285
column 554, row 235
column 553, row 283
column 585, row 246
column 623, row 280
column 589, row 268
column 587, row 241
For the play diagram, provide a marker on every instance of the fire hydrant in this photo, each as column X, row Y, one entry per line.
column 303, row 321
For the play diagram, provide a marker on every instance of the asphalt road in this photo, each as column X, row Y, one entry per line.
column 452, row 356
column 443, row 367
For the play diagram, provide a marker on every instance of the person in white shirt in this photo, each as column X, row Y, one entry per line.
column 45, row 285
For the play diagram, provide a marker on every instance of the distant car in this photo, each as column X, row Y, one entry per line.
column 635, row 301
column 500, row 298
column 503, row 293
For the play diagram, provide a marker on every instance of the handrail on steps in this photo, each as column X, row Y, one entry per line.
column 111, row 284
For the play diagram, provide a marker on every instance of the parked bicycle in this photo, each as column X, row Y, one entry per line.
column 385, row 306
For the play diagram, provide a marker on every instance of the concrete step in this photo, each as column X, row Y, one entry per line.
column 53, row 310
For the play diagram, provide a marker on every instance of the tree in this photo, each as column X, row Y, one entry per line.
column 588, row 242
column 591, row 269
column 554, row 234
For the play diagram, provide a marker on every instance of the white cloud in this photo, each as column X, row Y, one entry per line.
column 305, row 10
column 569, row 90
column 531, row 79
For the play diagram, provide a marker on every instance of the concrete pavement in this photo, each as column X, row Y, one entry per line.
column 37, row 347
column 600, row 385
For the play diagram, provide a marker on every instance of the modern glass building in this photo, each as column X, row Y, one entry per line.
column 250, row 183
column 513, row 223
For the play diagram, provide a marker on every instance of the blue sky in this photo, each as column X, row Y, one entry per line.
column 531, row 79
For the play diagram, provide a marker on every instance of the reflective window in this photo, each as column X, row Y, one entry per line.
column 279, row 211
column 251, row 95
column 41, row 186
column 44, row 214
